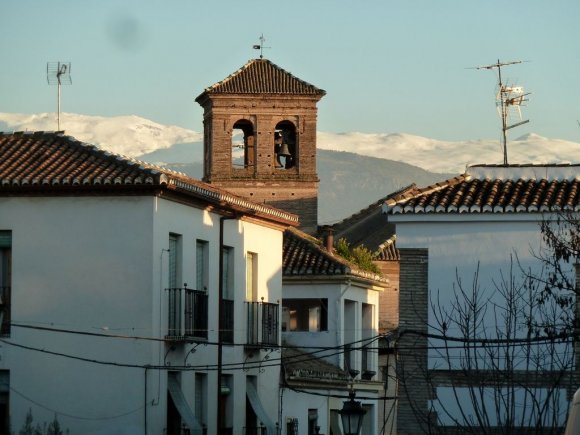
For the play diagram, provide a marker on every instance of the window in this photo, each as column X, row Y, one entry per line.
column 201, row 398
column 174, row 319
column 201, row 265
column 227, row 273
column 285, row 146
column 227, row 319
column 291, row 426
column 367, row 362
column 305, row 315
column 173, row 417
column 5, row 281
column 251, row 276
column 174, row 259
column 227, row 403
column 313, row 422
column 4, row 401
column 243, row 144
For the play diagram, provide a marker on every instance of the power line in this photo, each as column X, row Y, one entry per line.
column 64, row 414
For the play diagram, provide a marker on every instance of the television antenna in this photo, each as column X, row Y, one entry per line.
column 509, row 100
column 261, row 46
column 58, row 73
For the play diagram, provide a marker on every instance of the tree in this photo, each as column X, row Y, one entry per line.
column 504, row 376
column 506, row 355
column 28, row 428
column 359, row 255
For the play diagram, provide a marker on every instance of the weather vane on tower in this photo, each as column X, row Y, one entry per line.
column 261, row 46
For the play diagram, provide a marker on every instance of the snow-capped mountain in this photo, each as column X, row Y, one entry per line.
column 444, row 156
column 126, row 135
column 138, row 137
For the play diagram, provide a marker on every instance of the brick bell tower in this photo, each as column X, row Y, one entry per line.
column 260, row 138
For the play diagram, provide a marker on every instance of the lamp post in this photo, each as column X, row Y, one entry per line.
column 352, row 414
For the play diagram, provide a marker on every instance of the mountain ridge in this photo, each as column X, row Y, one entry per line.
column 133, row 136
column 355, row 169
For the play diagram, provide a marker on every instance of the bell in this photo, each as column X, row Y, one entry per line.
column 284, row 151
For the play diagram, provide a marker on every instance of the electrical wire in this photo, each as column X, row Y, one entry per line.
column 247, row 365
column 64, row 414
column 401, row 350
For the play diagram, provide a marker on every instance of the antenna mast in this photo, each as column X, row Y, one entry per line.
column 508, row 97
column 58, row 73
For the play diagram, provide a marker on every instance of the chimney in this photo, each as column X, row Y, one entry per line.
column 328, row 238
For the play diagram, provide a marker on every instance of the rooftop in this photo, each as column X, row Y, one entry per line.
column 304, row 256
column 260, row 76
column 496, row 189
column 38, row 163
column 301, row 365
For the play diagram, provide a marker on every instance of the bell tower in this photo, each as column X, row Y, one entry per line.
column 260, row 138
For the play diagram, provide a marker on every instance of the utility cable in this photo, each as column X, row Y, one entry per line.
column 64, row 414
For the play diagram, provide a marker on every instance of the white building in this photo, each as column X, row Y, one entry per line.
column 480, row 228
column 330, row 332
column 111, row 273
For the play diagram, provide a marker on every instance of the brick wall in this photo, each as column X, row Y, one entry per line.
column 389, row 298
column 413, row 390
column 295, row 189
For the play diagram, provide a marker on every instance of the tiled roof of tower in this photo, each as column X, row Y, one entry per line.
column 260, row 76
column 304, row 256
column 51, row 162
column 522, row 193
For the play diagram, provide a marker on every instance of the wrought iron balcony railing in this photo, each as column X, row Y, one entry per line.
column 187, row 313
column 263, row 323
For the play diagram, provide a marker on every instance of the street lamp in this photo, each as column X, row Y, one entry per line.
column 352, row 415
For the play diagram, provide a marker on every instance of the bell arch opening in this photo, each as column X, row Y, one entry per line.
column 285, row 146
column 243, row 144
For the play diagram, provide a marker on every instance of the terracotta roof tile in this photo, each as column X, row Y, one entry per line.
column 260, row 76
column 48, row 162
column 303, row 255
column 498, row 195
column 388, row 251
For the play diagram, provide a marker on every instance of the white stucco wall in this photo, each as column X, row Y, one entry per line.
column 79, row 264
column 458, row 245
column 339, row 331
column 296, row 405
column 98, row 265
column 345, row 301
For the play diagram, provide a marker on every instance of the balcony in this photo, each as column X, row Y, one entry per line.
column 187, row 314
column 263, row 324
column 5, row 294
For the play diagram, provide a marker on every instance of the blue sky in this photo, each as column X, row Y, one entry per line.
column 387, row 66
